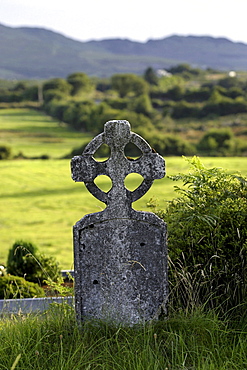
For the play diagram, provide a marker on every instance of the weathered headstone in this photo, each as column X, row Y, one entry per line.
column 120, row 254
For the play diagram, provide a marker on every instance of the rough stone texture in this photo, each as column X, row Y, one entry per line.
column 120, row 254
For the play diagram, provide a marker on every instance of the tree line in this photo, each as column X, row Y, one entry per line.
column 149, row 102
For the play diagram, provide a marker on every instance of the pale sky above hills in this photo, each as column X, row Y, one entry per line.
column 137, row 20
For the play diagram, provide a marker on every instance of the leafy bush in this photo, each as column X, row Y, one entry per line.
column 21, row 259
column 168, row 144
column 223, row 107
column 48, row 267
column 79, row 82
column 208, row 237
column 24, row 261
column 58, row 84
column 5, row 152
column 127, row 83
column 55, row 95
column 18, row 287
column 184, row 109
column 217, row 142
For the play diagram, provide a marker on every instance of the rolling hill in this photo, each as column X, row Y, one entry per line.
column 37, row 53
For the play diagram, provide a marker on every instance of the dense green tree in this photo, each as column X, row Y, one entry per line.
column 176, row 93
column 197, row 95
column 228, row 82
column 57, row 84
column 142, row 104
column 217, row 142
column 180, row 68
column 128, row 83
column 150, row 76
column 20, row 86
column 185, row 70
column 80, row 82
column 184, row 109
column 53, row 94
column 83, row 113
column 31, row 93
column 56, row 109
column 103, row 84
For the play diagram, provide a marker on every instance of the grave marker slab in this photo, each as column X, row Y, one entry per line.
column 120, row 254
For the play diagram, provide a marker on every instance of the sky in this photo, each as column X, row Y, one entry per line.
column 136, row 20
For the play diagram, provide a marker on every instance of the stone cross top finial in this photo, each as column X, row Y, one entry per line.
column 116, row 135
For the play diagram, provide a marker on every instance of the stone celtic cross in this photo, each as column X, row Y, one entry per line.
column 120, row 254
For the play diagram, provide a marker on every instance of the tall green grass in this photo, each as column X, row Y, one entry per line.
column 53, row 341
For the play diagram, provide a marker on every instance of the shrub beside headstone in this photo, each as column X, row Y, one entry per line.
column 23, row 260
column 18, row 287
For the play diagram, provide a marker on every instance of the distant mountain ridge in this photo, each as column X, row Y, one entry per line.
column 37, row 53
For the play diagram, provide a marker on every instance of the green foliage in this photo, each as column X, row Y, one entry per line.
column 20, row 86
column 208, row 236
column 21, row 259
column 142, row 105
column 230, row 82
column 117, row 103
column 128, row 83
column 18, row 287
column 218, row 142
column 166, row 83
column 150, row 76
column 184, row 109
column 57, row 84
column 169, row 144
column 5, row 152
column 8, row 96
column 24, row 261
column 53, row 94
column 185, row 70
column 48, row 268
column 197, row 95
column 78, row 115
column 103, row 85
column 176, row 93
column 31, row 93
column 80, row 82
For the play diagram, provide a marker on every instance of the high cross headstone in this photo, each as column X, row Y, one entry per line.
column 120, row 254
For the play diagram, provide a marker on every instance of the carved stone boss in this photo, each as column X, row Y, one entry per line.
column 120, row 254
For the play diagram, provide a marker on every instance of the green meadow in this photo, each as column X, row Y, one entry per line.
column 39, row 202
column 34, row 134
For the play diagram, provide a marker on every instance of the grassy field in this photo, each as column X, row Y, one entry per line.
column 39, row 202
column 34, row 134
